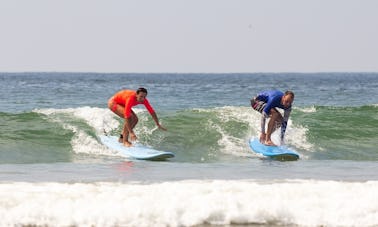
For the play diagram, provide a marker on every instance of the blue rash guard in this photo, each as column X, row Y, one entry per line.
column 273, row 100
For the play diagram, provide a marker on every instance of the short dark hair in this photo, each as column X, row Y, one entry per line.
column 290, row 93
column 141, row 89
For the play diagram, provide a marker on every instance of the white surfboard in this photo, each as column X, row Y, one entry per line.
column 137, row 151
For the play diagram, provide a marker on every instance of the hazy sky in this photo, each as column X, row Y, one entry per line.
column 189, row 35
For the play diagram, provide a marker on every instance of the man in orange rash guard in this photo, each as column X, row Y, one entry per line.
column 121, row 104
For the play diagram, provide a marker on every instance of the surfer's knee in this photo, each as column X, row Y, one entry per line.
column 276, row 115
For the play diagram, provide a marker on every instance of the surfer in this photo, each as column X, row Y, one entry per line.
column 121, row 104
column 266, row 103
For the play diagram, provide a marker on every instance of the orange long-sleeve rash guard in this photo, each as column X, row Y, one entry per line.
column 127, row 98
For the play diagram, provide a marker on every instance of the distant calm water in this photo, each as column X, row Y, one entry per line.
column 55, row 172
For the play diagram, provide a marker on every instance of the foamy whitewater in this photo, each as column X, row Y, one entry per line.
column 188, row 203
column 54, row 171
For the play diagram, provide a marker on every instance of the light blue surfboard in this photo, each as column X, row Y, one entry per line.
column 281, row 153
column 137, row 151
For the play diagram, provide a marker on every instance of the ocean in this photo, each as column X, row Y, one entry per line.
column 55, row 172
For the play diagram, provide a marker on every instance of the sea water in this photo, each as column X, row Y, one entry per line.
column 55, row 172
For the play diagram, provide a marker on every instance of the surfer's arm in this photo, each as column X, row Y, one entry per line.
column 153, row 114
column 127, row 125
column 284, row 123
column 263, row 120
column 127, row 130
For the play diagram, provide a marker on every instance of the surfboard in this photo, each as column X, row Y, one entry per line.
column 137, row 151
column 281, row 153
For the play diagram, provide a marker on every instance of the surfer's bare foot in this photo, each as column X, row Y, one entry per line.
column 127, row 144
column 270, row 143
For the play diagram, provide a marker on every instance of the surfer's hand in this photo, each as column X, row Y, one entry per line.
column 161, row 127
column 133, row 137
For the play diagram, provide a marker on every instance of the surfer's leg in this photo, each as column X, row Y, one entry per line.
column 259, row 107
column 278, row 120
column 125, row 136
column 268, row 140
column 119, row 110
column 134, row 120
column 274, row 123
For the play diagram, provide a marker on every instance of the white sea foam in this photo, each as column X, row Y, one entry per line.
column 310, row 109
column 188, row 203
column 99, row 119
column 232, row 144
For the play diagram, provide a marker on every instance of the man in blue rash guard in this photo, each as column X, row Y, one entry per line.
column 266, row 103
